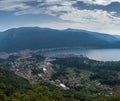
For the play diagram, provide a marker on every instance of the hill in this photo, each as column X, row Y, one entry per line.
column 84, row 78
column 102, row 36
column 37, row 38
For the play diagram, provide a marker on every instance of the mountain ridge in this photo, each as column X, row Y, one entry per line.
column 37, row 38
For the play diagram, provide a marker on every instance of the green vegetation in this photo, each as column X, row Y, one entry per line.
column 15, row 88
column 10, row 83
column 113, row 98
column 105, row 72
column 87, row 80
column 42, row 38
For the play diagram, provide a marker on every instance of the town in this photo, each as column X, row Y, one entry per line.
column 37, row 68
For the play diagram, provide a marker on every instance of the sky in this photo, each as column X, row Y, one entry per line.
column 93, row 15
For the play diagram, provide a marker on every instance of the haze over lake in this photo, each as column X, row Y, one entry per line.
column 96, row 54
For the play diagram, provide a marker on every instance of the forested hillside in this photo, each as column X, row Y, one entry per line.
column 72, row 79
column 39, row 38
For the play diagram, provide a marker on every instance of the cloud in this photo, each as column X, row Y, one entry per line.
column 70, row 16
column 25, row 6
column 100, row 2
column 91, row 16
column 110, row 29
column 12, row 5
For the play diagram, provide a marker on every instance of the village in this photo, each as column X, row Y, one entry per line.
column 32, row 70
column 36, row 68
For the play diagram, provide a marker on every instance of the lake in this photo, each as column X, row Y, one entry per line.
column 96, row 54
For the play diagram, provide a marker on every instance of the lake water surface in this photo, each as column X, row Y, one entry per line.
column 96, row 54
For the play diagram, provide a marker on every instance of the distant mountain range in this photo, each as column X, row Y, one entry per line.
column 37, row 38
column 117, row 36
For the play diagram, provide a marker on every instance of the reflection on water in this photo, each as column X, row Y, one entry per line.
column 96, row 54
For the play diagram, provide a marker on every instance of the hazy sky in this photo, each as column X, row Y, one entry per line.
column 92, row 15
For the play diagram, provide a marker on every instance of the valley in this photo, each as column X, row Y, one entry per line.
column 85, row 78
column 81, row 68
column 59, row 50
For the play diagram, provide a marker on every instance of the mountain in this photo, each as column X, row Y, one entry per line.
column 117, row 36
column 37, row 38
column 103, row 36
